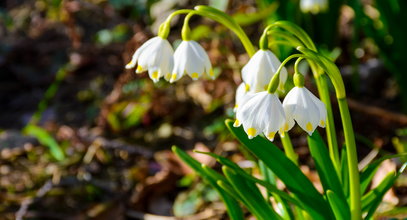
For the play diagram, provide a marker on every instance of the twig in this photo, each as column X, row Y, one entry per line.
column 378, row 112
column 27, row 202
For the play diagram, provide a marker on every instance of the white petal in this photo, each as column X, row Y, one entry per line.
column 258, row 72
column 180, row 62
column 136, row 54
column 204, row 59
column 300, row 105
column 240, row 92
column 260, row 112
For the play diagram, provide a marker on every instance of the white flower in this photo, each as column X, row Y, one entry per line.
column 156, row 56
column 261, row 112
column 240, row 93
column 302, row 106
column 258, row 72
column 190, row 58
column 313, row 6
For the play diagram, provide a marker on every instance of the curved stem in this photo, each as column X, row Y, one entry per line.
column 228, row 21
column 273, row 84
column 186, row 31
column 330, row 124
column 286, row 36
column 354, row 182
column 221, row 18
column 178, row 12
column 297, row 63
column 352, row 157
column 288, row 148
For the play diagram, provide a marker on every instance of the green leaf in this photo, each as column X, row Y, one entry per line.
column 282, row 205
column 249, row 192
column 372, row 199
column 244, row 19
column 368, row 173
column 339, row 207
column 269, row 187
column 345, row 173
column 287, row 171
column 325, row 168
column 45, row 139
column 232, row 206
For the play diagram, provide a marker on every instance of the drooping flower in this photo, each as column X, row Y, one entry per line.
column 241, row 91
column 261, row 112
column 305, row 108
column 190, row 58
column 155, row 56
column 313, row 6
column 258, row 72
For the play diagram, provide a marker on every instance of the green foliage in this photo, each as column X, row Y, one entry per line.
column 295, row 181
column 273, row 163
column 45, row 139
column 327, row 173
column 211, row 176
column 389, row 37
column 119, row 33
column 372, row 199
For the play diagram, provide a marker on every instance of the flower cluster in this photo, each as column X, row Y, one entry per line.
column 258, row 107
column 261, row 111
column 158, row 58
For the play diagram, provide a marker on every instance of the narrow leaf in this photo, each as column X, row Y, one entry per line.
column 372, row 199
column 269, row 187
column 339, row 207
column 287, row 171
column 325, row 168
column 45, row 139
column 345, row 173
column 251, row 194
column 232, row 206
column 369, row 171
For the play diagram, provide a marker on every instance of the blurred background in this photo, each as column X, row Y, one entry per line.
column 83, row 138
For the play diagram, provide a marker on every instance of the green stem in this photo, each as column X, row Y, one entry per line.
column 352, row 160
column 273, row 84
column 217, row 16
column 186, row 31
column 351, row 153
column 288, row 148
column 321, row 81
column 228, row 21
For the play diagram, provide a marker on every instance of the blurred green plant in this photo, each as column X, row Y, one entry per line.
column 120, row 33
column 188, row 203
column 381, row 22
column 41, row 134
column 45, row 139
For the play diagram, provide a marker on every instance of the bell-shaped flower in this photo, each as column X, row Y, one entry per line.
column 313, row 6
column 258, row 72
column 261, row 112
column 241, row 91
column 190, row 58
column 155, row 56
column 305, row 108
